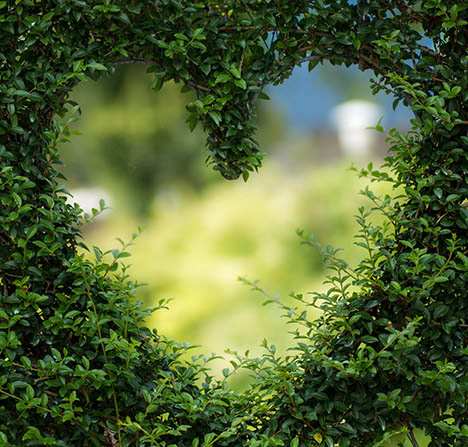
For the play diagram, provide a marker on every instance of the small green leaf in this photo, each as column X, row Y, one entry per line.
column 391, row 338
column 235, row 71
column 237, row 421
column 29, row 391
column 85, row 362
column 147, row 396
column 441, row 279
column 181, row 36
column 222, row 78
column 198, row 34
column 199, row 45
column 26, row 362
column 97, row 66
column 452, row 197
column 216, row 116
column 31, row 232
column 209, row 438
column 124, row 18
column 241, row 83
column 205, row 68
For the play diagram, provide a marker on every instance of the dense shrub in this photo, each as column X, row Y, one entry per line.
column 390, row 352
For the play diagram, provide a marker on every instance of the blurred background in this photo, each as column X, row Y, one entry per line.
column 201, row 232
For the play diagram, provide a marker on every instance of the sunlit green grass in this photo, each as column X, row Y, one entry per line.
column 194, row 247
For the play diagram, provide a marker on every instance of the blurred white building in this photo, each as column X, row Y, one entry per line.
column 89, row 198
column 352, row 120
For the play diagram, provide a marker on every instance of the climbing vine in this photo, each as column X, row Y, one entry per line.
column 389, row 354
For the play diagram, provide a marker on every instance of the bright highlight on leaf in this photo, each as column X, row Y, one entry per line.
column 318, row 437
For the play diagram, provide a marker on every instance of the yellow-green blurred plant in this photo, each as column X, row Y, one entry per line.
column 195, row 246
column 136, row 144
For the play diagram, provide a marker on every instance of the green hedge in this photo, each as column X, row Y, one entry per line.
column 389, row 354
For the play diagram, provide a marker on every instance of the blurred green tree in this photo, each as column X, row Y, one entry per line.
column 136, row 144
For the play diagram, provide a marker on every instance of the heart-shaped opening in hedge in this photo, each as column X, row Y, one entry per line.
column 78, row 366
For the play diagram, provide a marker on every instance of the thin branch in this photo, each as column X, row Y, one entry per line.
column 134, row 61
column 240, row 28
column 427, row 50
column 412, row 438
column 195, row 86
column 316, row 58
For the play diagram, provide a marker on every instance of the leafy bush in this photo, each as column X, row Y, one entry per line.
column 389, row 353
column 232, row 229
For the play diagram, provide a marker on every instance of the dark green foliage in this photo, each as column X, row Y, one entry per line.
column 390, row 354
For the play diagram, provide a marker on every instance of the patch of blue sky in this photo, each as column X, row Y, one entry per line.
column 307, row 98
